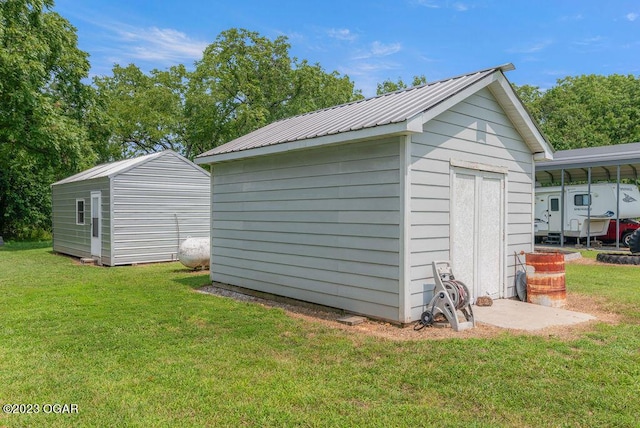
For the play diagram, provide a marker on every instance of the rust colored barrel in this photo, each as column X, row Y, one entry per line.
column 546, row 279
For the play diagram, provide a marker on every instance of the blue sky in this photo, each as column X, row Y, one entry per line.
column 374, row 40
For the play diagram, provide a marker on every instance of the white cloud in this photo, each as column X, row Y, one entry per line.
column 364, row 68
column 158, row 44
column 370, row 73
column 378, row 49
column 591, row 44
column 460, row 7
column 577, row 17
column 631, row 16
column 440, row 4
column 431, row 4
column 590, row 41
column 342, row 34
column 532, row 48
column 556, row 72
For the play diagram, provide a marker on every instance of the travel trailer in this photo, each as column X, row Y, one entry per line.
column 601, row 206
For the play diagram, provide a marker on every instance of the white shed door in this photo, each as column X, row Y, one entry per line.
column 477, row 231
column 96, row 223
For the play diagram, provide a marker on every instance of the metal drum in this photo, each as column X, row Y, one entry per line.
column 546, row 279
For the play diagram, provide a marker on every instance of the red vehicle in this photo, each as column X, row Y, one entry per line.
column 627, row 227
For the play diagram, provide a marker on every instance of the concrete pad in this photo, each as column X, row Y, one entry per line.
column 514, row 314
column 351, row 320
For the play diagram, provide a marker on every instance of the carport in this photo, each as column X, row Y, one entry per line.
column 592, row 164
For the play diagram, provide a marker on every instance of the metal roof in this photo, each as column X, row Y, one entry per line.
column 391, row 108
column 113, row 168
column 603, row 161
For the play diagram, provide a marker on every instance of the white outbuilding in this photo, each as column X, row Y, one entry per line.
column 349, row 206
column 131, row 211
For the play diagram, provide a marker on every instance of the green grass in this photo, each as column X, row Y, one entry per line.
column 618, row 285
column 136, row 346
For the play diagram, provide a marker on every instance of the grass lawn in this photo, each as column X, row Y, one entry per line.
column 136, row 346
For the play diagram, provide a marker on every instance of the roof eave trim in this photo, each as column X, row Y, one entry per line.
column 532, row 134
column 393, row 129
column 455, row 98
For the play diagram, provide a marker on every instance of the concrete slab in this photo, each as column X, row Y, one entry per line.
column 351, row 320
column 514, row 314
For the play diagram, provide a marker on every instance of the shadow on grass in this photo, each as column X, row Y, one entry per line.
column 195, row 280
column 25, row 245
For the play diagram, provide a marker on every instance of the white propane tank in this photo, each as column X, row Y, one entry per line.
column 195, row 252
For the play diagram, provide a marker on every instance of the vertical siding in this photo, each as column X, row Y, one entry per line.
column 319, row 225
column 156, row 206
column 68, row 237
column 476, row 130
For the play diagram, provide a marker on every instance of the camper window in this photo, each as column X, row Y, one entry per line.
column 79, row 211
column 582, row 200
column 555, row 204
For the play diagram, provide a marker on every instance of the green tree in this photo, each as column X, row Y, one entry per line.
column 314, row 89
column 245, row 81
column 530, row 97
column 42, row 99
column 140, row 113
column 391, row 86
column 587, row 111
column 100, row 126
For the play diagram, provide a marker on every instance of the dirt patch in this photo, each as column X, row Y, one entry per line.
column 329, row 318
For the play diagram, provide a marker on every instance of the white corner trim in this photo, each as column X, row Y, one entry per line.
column 477, row 166
column 416, row 123
column 404, row 304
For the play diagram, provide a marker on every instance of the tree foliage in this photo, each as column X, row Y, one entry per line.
column 245, row 81
column 314, row 89
column 42, row 98
column 141, row 113
column 587, row 111
column 391, row 86
column 53, row 125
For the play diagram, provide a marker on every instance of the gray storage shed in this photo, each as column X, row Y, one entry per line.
column 348, row 206
column 131, row 211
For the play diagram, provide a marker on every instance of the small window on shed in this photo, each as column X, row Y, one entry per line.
column 79, row 211
column 582, row 200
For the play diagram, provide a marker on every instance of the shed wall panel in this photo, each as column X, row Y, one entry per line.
column 322, row 226
column 475, row 130
column 69, row 237
column 156, row 206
